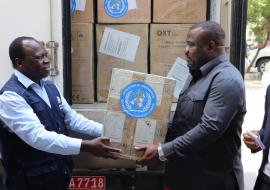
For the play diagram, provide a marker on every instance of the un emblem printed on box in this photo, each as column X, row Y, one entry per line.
column 138, row 100
column 116, row 8
column 138, row 110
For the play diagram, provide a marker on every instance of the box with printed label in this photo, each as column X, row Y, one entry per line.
column 179, row 11
column 124, row 11
column 167, row 42
column 82, row 11
column 138, row 110
column 82, row 62
column 119, row 46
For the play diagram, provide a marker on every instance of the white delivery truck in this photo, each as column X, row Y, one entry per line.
column 49, row 21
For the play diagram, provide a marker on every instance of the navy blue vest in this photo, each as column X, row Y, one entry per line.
column 18, row 158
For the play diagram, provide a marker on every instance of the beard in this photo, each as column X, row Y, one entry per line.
column 194, row 70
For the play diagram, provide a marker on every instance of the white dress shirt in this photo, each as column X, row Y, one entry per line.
column 20, row 119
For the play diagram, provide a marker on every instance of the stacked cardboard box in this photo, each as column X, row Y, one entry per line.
column 167, row 42
column 85, row 14
column 130, row 17
column 82, row 62
column 107, row 62
column 131, row 11
column 82, row 53
column 138, row 110
column 179, row 11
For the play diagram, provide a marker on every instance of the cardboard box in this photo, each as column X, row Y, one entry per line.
column 82, row 62
column 85, row 14
column 179, row 11
column 84, row 160
column 138, row 110
column 107, row 62
column 167, row 42
column 130, row 11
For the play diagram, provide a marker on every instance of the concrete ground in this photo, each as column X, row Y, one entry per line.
column 255, row 96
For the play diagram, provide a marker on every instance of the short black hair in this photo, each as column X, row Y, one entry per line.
column 16, row 48
column 214, row 29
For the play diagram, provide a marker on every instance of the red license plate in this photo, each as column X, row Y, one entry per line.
column 87, row 183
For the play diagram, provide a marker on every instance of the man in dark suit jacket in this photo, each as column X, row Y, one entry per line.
column 263, row 179
column 203, row 142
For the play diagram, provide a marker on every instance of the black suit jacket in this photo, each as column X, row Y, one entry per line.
column 265, row 136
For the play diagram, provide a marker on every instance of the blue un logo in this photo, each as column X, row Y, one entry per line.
column 138, row 100
column 72, row 7
column 116, row 8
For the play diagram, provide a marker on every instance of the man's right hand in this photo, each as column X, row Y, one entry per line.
column 250, row 142
column 99, row 147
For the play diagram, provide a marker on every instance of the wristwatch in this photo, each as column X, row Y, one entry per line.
column 161, row 155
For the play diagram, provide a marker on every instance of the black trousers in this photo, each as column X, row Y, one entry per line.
column 263, row 183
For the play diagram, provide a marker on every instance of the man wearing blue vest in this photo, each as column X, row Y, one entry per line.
column 35, row 118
